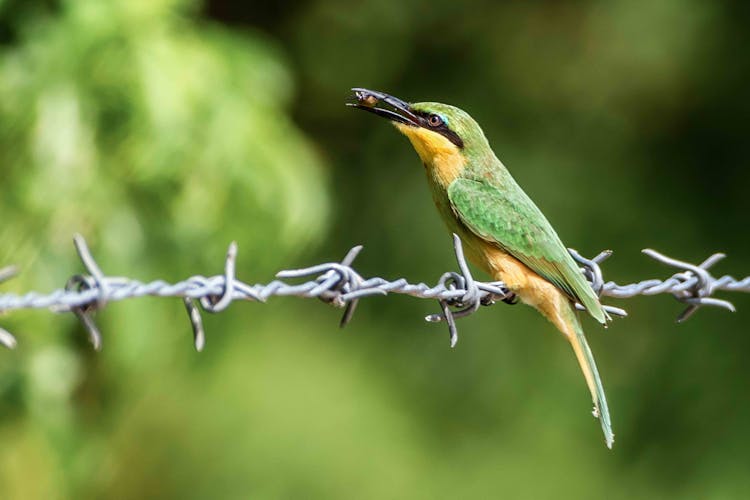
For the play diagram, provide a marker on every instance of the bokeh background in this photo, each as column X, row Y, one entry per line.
column 164, row 129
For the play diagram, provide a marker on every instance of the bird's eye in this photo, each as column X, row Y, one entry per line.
column 434, row 121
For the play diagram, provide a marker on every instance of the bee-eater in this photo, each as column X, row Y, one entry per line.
column 503, row 231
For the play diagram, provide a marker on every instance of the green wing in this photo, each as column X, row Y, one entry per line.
column 513, row 222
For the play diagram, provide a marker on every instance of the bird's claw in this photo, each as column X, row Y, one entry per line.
column 511, row 299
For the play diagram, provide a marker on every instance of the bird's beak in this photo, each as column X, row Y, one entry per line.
column 384, row 105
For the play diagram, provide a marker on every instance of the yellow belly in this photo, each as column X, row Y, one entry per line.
column 531, row 288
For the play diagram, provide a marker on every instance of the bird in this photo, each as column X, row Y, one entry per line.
column 502, row 230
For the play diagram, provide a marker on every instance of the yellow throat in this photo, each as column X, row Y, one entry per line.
column 441, row 157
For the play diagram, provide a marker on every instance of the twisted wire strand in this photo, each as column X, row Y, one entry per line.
column 337, row 283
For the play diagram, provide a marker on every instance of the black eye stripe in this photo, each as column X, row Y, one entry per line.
column 441, row 129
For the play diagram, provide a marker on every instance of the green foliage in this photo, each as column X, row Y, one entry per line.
column 161, row 138
column 164, row 129
column 129, row 120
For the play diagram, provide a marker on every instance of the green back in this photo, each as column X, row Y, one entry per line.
column 497, row 210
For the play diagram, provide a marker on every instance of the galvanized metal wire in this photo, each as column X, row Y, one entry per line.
column 337, row 283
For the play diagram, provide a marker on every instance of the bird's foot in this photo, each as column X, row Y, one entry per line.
column 511, row 299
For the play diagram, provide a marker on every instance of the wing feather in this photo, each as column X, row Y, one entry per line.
column 517, row 226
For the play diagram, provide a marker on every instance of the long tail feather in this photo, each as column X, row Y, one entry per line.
column 588, row 366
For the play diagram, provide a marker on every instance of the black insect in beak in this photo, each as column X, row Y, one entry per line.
column 384, row 105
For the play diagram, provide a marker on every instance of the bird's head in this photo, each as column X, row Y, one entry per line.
column 444, row 136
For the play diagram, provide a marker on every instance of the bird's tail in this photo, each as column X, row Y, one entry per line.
column 574, row 332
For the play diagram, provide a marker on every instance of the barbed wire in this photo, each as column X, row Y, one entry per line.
column 337, row 283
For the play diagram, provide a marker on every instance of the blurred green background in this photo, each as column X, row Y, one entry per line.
column 164, row 129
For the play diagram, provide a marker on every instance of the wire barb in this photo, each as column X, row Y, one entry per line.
column 6, row 338
column 337, row 283
column 697, row 283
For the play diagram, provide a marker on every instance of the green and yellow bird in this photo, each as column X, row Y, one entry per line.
column 503, row 231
